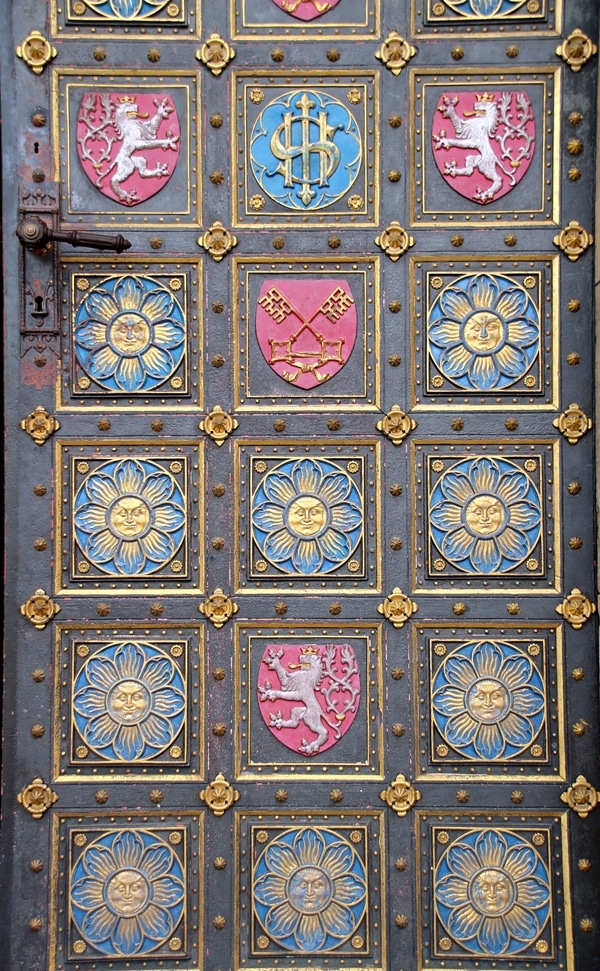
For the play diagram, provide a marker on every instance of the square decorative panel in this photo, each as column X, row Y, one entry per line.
column 308, row 700
column 298, row 20
column 123, row 889
column 435, row 18
column 134, row 334
column 485, row 332
column 100, row 122
column 308, row 516
column 307, row 149
column 127, row 702
column 483, row 148
column 305, row 334
column 132, row 18
column 491, row 892
column 130, row 517
column 493, row 700
column 489, row 516
column 311, row 886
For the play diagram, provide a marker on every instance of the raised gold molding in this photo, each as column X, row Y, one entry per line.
column 217, row 241
column 400, row 795
column 576, row 50
column 40, row 609
column 394, row 241
column 219, row 795
column 573, row 240
column 36, row 798
column 581, row 797
column 397, row 608
column 396, row 425
column 218, row 608
column 576, row 609
column 215, row 54
column 573, row 423
column 39, row 425
column 395, row 52
column 36, row 51
column 218, row 425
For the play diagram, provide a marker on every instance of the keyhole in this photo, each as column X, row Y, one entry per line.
column 39, row 304
column 36, row 148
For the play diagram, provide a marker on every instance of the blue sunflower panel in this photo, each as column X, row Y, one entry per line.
column 130, row 336
column 129, row 519
column 486, row 516
column 129, row 701
column 492, row 896
column 314, row 890
column 483, row 334
column 126, row 891
column 308, row 518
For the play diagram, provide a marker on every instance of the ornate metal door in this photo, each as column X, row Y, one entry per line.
column 300, row 588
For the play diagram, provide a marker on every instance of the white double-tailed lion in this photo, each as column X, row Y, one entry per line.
column 474, row 132
column 299, row 685
column 137, row 134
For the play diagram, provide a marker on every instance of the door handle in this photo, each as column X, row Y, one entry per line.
column 35, row 235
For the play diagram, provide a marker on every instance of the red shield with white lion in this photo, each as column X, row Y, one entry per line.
column 309, row 694
column 483, row 143
column 128, row 144
column 306, row 9
column 306, row 328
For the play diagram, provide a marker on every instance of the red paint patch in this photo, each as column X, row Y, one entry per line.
column 306, row 328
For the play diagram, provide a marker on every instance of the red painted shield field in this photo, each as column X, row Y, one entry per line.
column 306, row 328
column 306, row 9
column 128, row 144
column 483, row 143
column 308, row 695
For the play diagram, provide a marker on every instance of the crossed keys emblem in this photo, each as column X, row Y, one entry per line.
column 306, row 355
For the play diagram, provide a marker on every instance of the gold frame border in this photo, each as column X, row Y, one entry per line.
column 477, row 588
column 472, row 400
column 310, row 219
column 428, row 31
column 190, row 217
column 153, row 588
column 120, row 634
column 473, row 819
column 75, row 31
column 373, row 636
column 300, row 30
column 241, row 336
column 549, row 129
column 294, row 586
column 106, row 821
column 327, row 818
column 474, row 630
column 195, row 341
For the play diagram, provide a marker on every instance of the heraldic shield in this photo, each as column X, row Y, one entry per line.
column 483, row 143
column 309, row 695
column 306, row 328
column 128, row 144
column 306, row 9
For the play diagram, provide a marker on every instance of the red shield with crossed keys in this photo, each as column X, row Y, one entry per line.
column 308, row 694
column 306, row 9
column 306, row 328
column 128, row 144
column 483, row 142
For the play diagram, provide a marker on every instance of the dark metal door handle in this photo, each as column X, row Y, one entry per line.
column 35, row 235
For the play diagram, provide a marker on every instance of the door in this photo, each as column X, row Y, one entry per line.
column 300, row 653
